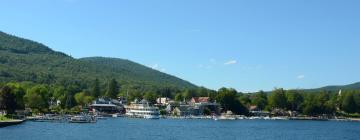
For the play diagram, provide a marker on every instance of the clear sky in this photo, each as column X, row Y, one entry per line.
column 248, row 45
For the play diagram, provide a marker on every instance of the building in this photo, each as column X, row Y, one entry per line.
column 163, row 101
column 200, row 104
column 182, row 111
column 107, row 106
column 197, row 100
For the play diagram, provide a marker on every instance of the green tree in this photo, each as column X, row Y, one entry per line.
column 310, row 105
column 151, row 97
column 229, row 101
column 357, row 100
column 83, row 98
column 113, row 89
column 70, row 92
column 69, row 101
column 278, row 99
column 37, row 98
column 178, row 97
column 7, row 100
column 202, row 92
column 245, row 99
column 59, row 94
column 188, row 94
column 349, row 104
column 294, row 100
column 95, row 89
column 325, row 105
column 19, row 93
column 318, row 104
column 260, row 100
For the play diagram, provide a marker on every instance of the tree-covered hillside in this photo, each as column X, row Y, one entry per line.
column 26, row 60
column 354, row 86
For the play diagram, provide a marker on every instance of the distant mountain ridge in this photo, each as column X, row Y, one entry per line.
column 26, row 60
column 354, row 86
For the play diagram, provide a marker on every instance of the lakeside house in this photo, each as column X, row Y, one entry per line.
column 182, row 111
column 197, row 106
column 107, row 106
column 163, row 101
column 201, row 104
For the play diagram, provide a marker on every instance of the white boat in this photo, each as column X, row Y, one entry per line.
column 142, row 109
column 279, row 118
column 82, row 119
column 227, row 116
column 116, row 115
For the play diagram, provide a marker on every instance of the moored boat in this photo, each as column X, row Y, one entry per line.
column 82, row 119
column 142, row 109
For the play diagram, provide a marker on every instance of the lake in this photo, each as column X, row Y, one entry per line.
column 172, row 129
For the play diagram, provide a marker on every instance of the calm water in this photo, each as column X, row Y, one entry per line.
column 123, row 128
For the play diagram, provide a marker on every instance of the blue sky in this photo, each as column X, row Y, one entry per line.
column 248, row 45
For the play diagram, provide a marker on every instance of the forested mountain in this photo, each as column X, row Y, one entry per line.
column 26, row 60
column 354, row 86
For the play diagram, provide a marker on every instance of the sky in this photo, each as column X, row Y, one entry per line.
column 248, row 45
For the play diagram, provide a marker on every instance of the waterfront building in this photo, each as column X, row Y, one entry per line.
column 163, row 101
column 107, row 106
column 199, row 104
column 182, row 111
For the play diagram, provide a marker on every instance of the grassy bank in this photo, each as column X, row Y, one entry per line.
column 3, row 118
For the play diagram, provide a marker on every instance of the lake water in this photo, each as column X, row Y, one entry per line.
column 168, row 129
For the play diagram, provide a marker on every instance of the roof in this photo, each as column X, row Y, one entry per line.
column 253, row 107
column 200, row 99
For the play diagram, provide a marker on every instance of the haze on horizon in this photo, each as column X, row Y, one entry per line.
column 247, row 45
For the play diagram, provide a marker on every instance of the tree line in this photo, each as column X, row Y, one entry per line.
column 43, row 98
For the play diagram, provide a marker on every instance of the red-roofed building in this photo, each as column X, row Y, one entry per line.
column 200, row 100
column 199, row 104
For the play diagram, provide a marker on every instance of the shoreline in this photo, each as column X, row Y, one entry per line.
column 215, row 118
column 10, row 123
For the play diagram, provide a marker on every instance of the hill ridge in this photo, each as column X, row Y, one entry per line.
column 26, row 60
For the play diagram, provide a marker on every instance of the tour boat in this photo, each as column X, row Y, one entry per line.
column 142, row 109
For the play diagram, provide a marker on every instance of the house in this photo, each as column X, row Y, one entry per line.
column 196, row 100
column 171, row 106
column 163, row 100
column 200, row 104
column 253, row 108
column 182, row 111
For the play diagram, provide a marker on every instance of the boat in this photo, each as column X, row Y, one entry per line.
column 227, row 116
column 48, row 118
column 116, row 115
column 142, row 109
column 82, row 119
column 279, row 118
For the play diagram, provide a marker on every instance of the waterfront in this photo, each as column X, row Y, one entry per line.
column 174, row 129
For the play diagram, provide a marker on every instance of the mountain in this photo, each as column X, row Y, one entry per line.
column 26, row 60
column 354, row 86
